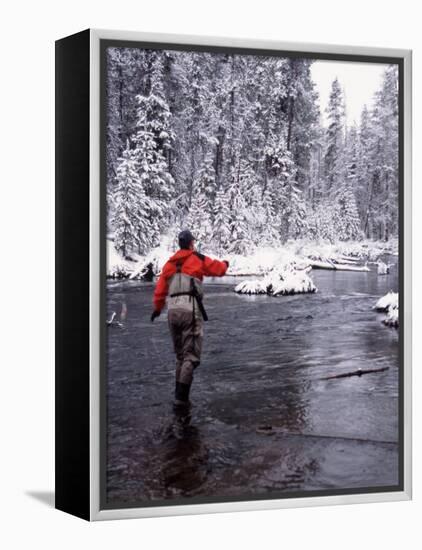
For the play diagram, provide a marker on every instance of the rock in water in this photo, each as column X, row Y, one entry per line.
column 389, row 304
column 382, row 268
column 392, row 319
column 389, row 300
column 148, row 273
column 279, row 282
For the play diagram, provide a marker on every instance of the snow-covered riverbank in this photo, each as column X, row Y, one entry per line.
column 294, row 255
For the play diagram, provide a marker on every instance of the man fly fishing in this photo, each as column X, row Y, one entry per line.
column 181, row 281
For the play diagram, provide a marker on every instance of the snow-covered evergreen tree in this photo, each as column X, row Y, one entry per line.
column 288, row 200
column 205, row 183
column 386, row 128
column 347, row 221
column 302, row 117
column 268, row 234
column 239, row 228
column 221, row 227
column 132, row 208
column 364, row 169
column 321, row 221
column 295, row 209
column 377, row 167
column 126, row 69
column 199, row 220
column 153, row 139
column 333, row 160
column 201, row 210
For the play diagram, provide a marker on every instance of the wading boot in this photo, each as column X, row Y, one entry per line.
column 182, row 395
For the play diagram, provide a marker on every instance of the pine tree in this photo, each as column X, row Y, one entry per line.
column 153, row 138
column 302, row 117
column 378, row 166
column 126, row 68
column 205, row 183
column 221, row 226
column 266, row 226
column 322, row 221
column 199, row 220
column 201, row 210
column 364, row 169
column 236, row 195
column 288, row 200
column 132, row 210
column 297, row 214
column 388, row 129
column 347, row 221
column 197, row 117
column 335, row 139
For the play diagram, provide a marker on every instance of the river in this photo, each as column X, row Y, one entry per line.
column 263, row 422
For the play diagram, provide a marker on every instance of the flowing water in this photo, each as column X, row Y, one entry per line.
column 263, row 421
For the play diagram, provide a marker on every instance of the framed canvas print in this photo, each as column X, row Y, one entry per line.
column 233, row 274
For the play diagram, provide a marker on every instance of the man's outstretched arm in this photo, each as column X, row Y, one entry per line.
column 214, row 268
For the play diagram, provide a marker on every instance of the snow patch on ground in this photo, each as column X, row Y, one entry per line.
column 389, row 304
column 117, row 266
column 279, row 282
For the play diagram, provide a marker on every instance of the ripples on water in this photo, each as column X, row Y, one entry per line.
column 263, row 420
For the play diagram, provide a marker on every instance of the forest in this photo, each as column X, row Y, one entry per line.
column 233, row 147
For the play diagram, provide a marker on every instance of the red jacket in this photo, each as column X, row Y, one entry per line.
column 193, row 264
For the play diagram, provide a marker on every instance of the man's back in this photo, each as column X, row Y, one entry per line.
column 190, row 263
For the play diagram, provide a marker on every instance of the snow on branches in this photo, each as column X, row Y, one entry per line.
column 233, row 147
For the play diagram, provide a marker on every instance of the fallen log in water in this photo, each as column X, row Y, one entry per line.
column 345, row 261
column 348, row 259
column 328, row 264
column 358, row 372
column 341, row 267
column 319, row 264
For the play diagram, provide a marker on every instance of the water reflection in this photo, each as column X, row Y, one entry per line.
column 183, row 457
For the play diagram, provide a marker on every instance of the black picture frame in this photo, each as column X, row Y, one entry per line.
column 80, row 128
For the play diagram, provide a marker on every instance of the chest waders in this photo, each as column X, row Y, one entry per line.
column 192, row 292
column 185, row 301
